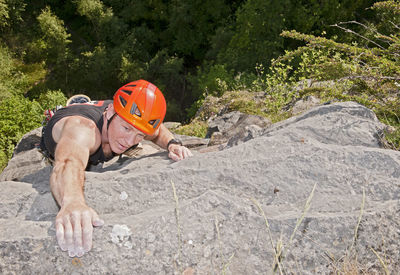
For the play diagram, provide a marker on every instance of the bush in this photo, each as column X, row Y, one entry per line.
column 195, row 128
column 51, row 99
column 213, row 80
column 12, row 80
column 18, row 116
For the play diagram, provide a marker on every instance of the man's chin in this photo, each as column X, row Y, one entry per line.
column 118, row 149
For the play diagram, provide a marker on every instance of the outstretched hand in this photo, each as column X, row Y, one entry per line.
column 178, row 152
column 74, row 228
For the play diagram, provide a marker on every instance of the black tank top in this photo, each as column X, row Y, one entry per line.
column 93, row 111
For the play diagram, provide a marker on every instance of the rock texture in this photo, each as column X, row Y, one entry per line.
column 203, row 215
column 234, row 127
column 26, row 159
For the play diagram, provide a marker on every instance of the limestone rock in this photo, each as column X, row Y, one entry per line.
column 172, row 125
column 305, row 104
column 29, row 141
column 234, row 128
column 27, row 158
column 224, row 200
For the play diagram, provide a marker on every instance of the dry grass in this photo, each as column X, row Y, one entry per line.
column 279, row 252
column 178, row 224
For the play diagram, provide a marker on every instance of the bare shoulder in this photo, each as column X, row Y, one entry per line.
column 79, row 130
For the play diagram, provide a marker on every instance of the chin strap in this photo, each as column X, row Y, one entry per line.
column 109, row 120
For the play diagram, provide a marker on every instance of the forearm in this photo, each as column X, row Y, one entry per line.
column 66, row 182
column 163, row 137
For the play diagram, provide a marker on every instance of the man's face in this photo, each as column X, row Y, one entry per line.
column 122, row 135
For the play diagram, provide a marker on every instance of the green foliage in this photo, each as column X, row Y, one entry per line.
column 15, row 76
column 3, row 14
column 51, row 99
column 214, row 81
column 259, row 23
column 55, row 38
column 10, row 79
column 18, row 116
column 192, row 22
column 98, row 67
column 11, row 12
column 393, row 138
column 256, row 39
column 196, row 128
column 94, row 10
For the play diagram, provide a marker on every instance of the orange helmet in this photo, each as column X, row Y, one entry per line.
column 141, row 104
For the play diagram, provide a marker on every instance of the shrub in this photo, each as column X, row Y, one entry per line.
column 195, row 128
column 18, row 115
column 51, row 99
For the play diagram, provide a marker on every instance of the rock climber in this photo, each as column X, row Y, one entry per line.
column 93, row 132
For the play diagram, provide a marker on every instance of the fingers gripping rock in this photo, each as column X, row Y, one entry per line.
column 74, row 229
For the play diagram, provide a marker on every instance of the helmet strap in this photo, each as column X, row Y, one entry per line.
column 109, row 120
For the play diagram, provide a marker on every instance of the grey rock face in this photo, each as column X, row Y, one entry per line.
column 219, row 226
column 27, row 159
column 234, row 128
column 305, row 104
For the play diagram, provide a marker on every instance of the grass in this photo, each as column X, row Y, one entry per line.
column 196, row 128
column 178, row 227
column 279, row 253
column 383, row 264
column 278, row 249
column 359, row 221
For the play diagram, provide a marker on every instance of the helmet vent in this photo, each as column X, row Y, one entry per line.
column 135, row 110
column 127, row 92
column 154, row 122
column 123, row 101
column 132, row 85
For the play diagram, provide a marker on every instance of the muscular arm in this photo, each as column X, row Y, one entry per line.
column 176, row 151
column 76, row 139
column 161, row 137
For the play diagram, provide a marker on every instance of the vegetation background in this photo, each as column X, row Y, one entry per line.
column 192, row 49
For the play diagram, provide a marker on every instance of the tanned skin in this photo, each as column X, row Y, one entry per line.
column 77, row 138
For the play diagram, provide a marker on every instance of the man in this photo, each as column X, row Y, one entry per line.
column 95, row 132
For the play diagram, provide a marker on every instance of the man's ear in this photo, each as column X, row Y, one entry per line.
column 110, row 111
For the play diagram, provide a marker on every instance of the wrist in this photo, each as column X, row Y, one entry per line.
column 173, row 141
column 68, row 200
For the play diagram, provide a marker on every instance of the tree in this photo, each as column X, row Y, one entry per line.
column 256, row 38
column 55, row 39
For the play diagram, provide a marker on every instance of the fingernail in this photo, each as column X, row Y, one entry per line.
column 79, row 251
column 98, row 223
column 71, row 253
